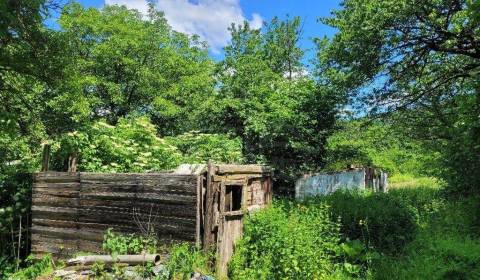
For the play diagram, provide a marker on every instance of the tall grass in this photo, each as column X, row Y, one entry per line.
column 412, row 232
column 447, row 245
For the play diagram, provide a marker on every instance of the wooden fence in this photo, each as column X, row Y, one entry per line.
column 72, row 210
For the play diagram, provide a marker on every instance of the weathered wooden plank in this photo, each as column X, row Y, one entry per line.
column 140, row 207
column 242, row 169
column 46, row 200
column 57, row 193
column 58, row 185
column 114, row 177
column 56, row 177
column 55, row 223
column 58, row 213
column 234, row 177
column 113, row 218
column 65, row 233
column 209, row 209
column 146, row 197
column 139, row 188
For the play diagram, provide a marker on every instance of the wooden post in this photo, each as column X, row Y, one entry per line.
column 198, row 242
column 72, row 163
column 208, row 236
column 45, row 157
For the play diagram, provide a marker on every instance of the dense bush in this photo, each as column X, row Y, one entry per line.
column 379, row 220
column 34, row 268
column 289, row 241
column 198, row 147
column 378, row 143
column 134, row 146
column 17, row 162
column 446, row 245
column 124, row 244
column 130, row 146
column 185, row 259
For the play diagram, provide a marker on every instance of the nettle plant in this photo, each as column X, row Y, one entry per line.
column 121, row 244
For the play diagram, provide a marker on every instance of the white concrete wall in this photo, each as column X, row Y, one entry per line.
column 322, row 184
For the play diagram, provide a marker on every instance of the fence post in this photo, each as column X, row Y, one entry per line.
column 45, row 157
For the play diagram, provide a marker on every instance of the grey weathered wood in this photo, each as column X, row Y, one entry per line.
column 208, row 225
column 46, row 157
column 72, row 210
column 242, row 169
column 128, row 259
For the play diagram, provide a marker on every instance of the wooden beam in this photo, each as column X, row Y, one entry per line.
column 46, row 157
column 209, row 211
column 242, row 169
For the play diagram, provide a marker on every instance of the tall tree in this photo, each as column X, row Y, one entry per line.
column 421, row 58
column 282, row 115
column 129, row 64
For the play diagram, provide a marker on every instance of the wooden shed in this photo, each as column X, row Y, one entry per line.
column 204, row 205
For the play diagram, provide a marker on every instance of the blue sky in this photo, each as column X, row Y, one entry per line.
column 210, row 18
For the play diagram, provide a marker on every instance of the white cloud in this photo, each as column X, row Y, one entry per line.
column 209, row 19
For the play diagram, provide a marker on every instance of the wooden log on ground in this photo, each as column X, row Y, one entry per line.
column 128, row 259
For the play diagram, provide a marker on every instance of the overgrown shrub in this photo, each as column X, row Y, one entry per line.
column 200, row 147
column 17, row 161
column 122, row 244
column 289, row 241
column 130, row 146
column 185, row 259
column 381, row 221
column 447, row 244
column 134, row 146
column 379, row 143
column 34, row 268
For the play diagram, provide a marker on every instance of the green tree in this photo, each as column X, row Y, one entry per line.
column 418, row 58
column 282, row 114
column 126, row 63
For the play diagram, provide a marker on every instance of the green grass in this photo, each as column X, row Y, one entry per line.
column 447, row 245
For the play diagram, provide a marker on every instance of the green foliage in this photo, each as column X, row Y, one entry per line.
column 447, row 245
column 198, row 147
column 289, row 241
column 378, row 144
column 133, row 146
column 130, row 146
column 124, row 244
column 17, row 161
column 98, row 270
column 419, row 61
column 34, row 269
column 267, row 98
column 126, row 63
column 185, row 259
column 382, row 222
